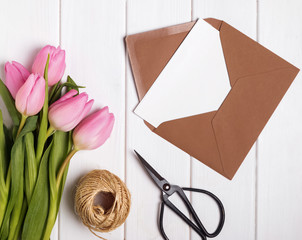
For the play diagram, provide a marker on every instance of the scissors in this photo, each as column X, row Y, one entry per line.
column 168, row 190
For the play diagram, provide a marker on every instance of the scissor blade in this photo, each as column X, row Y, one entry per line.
column 157, row 178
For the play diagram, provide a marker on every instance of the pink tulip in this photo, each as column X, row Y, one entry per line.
column 15, row 76
column 56, row 66
column 69, row 110
column 94, row 130
column 30, row 97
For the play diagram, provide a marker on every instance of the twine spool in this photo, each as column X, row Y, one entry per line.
column 102, row 201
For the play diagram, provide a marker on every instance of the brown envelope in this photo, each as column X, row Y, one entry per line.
column 258, row 77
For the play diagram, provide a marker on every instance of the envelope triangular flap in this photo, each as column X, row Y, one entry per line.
column 245, row 112
column 195, row 136
column 149, row 52
column 244, row 56
column 259, row 81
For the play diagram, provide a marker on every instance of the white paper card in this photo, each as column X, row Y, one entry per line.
column 194, row 81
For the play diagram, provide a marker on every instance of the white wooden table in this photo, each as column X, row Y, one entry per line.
column 264, row 199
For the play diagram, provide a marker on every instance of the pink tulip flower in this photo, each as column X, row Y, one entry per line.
column 94, row 130
column 30, row 97
column 69, row 110
column 56, row 66
column 15, row 76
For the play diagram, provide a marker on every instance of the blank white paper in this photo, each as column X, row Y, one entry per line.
column 194, row 81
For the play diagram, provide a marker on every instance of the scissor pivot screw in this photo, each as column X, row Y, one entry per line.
column 166, row 187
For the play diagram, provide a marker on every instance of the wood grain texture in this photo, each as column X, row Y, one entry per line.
column 279, row 154
column 171, row 162
column 237, row 195
column 92, row 35
column 26, row 27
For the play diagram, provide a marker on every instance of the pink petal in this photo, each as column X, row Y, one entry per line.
column 23, row 71
column 36, row 98
column 66, row 96
column 94, row 130
column 40, row 60
column 72, row 124
column 23, row 93
column 56, row 68
column 67, row 111
column 105, row 133
column 13, row 79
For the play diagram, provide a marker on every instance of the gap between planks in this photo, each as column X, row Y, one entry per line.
column 126, row 105
column 60, row 42
column 257, row 143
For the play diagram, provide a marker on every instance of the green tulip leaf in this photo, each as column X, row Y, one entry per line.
column 21, row 219
column 3, row 168
column 58, row 92
column 30, row 126
column 57, row 156
column 3, row 155
column 17, row 212
column 72, row 85
column 69, row 147
column 9, row 103
column 43, row 118
column 37, row 212
column 31, row 167
column 17, row 168
column 17, row 173
column 54, row 89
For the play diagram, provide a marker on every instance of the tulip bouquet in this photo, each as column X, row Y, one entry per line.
column 48, row 128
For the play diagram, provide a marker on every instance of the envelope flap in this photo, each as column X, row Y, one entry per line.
column 149, row 52
column 195, row 136
column 245, row 112
column 259, row 80
column 244, row 56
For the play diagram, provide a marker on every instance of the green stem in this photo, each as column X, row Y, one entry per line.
column 3, row 200
column 50, row 131
column 52, row 215
column 23, row 120
column 53, row 91
column 31, row 168
column 16, row 214
column 44, row 121
column 21, row 219
column 41, row 142
column 4, row 195
column 63, row 166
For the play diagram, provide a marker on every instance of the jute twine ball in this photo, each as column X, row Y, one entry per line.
column 102, row 201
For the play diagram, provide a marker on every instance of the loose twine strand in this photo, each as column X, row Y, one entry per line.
column 97, row 217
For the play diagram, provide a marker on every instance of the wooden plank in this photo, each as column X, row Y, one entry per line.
column 237, row 195
column 171, row 162
column 26, row 27
column 92, row 34
column 279, row 164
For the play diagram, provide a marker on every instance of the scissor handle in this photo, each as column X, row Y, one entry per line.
column 199, row 228
column 220, row 207
column 176, row 210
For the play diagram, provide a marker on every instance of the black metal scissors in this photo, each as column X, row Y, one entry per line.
column 168, row 189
